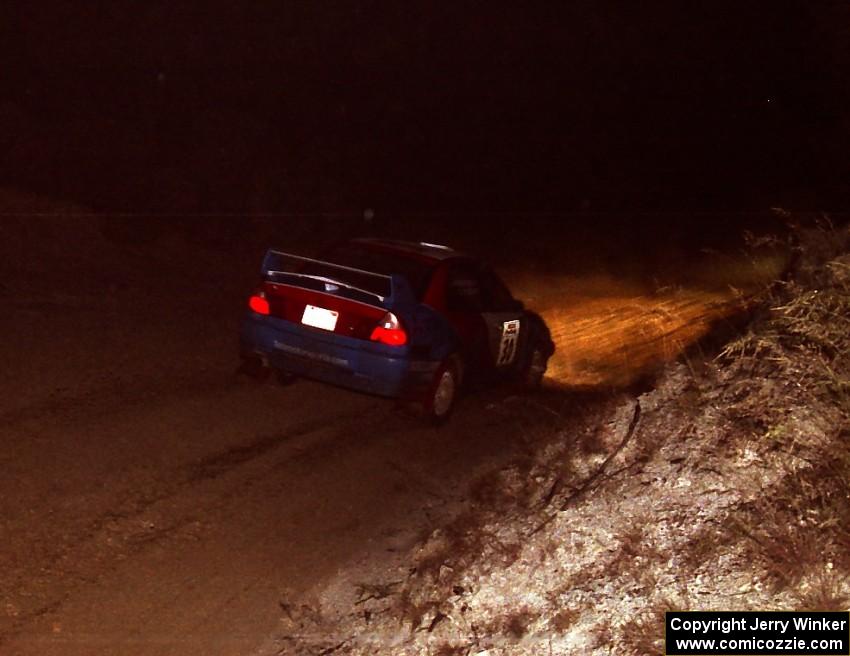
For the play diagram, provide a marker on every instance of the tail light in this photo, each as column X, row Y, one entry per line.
column 259, row 303
column 389, row 331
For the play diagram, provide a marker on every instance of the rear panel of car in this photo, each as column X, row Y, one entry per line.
column 351, row 303
column 363, row 365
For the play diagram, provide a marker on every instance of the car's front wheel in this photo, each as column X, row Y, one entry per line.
column 443, row 393
column 535, row 368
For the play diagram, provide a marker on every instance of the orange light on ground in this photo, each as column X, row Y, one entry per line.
column 613, row 340
column 609, row 331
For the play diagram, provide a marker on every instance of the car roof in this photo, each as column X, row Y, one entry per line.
column 432, row 253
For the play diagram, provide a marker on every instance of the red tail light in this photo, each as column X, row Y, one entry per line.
column 259, row 304
column 389, row 331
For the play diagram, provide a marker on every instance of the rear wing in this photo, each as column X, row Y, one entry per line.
column 365, row 286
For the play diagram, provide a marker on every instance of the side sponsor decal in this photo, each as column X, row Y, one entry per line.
column 508, row 343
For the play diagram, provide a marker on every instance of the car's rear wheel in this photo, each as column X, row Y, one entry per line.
column 253, row 368
column 285, row 378
column 442, row 395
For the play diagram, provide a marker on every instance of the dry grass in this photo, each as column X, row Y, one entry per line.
column 811, row 314
column 827, row 590
column 804, row 341
column 634, row 557
column 564, row 619
column 644, row 635
column 803, row 337
column 458, row 542
column 703, row 547
column 602, row 635
column 798, row 533
column 804, row 524
column 506, row 488
column 452, row 650
column 591, row 443
column 515, row 625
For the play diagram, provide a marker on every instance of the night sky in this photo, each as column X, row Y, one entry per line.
column 427, row 106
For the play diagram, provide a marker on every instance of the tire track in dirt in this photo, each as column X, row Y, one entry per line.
column 201, row 555
column 126, row 529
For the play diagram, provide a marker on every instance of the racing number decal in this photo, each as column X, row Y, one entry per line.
column 508, row 344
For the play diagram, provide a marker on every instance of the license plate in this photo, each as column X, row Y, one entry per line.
column 319, row 317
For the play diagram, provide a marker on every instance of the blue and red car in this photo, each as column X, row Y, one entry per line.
column 412, row 321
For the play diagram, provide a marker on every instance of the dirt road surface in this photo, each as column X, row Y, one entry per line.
column 152, row 502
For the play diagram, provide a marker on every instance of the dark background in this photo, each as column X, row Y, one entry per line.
column 218, row 107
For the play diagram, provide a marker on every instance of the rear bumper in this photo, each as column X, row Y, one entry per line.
column 363, row 366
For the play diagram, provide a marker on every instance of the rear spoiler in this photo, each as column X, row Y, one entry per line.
column 389, row 290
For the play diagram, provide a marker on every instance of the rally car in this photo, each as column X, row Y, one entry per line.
column 413, row 321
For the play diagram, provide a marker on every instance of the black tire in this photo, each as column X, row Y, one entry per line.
column 253, row 368
column 285, row 378
column 531, row 376
column 443, row 393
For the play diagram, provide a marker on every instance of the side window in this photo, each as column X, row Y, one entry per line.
column 464, row 293
column 497, row 297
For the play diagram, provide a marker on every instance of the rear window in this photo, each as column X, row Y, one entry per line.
column 416, row 272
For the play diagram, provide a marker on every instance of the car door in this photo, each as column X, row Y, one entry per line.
column 502, row 315
column 485, row 316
